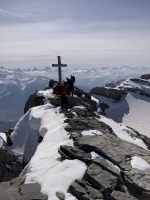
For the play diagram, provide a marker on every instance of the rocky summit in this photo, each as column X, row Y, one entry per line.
column 74, row 153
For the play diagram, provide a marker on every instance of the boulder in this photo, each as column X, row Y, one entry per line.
column 120, row 153
column 145, row 76
column 54, row 100
column 82, row 191
column 83, row 101
column 70, row 152
column 16, row 189
column 79, row 124
column 113, row 93
column 33, row 101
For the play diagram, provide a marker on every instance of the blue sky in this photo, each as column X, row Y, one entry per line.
column 83, row 32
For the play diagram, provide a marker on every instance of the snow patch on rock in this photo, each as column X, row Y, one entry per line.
column 91, row 132
column 139, row 163
column 123, row 132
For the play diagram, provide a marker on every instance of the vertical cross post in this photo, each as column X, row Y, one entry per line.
column 59, row 65
column 59, row 69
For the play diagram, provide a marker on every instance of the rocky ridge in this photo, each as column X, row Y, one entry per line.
column 138, row 85
column 110, row 174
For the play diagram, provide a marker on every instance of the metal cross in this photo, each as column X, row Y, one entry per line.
column 59, row 65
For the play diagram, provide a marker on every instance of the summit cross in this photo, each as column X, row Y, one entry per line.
column 59, row 65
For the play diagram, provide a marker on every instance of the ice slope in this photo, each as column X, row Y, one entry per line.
column 138, row 116
column 133, row 109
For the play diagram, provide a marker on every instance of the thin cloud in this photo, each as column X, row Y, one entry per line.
column 10, row 13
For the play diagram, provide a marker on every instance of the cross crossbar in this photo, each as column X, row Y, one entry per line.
column 59, row 65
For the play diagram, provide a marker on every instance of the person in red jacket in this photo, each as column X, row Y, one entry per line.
column 63, row 96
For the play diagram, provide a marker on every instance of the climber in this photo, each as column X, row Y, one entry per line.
column 70, row 85
column 63, row 97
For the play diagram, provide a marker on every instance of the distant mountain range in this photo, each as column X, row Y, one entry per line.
column 16, row 85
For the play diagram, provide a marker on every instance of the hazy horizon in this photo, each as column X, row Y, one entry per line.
column 85, row 33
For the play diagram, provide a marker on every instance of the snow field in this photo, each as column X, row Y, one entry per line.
column 45, row 167
column 123, row 132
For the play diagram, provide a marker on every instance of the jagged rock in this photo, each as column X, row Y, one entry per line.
column 60, row 195
column 81, row 93
column 118, row 195
column 17, row 190
column 145, row 76
column 136, row 85
column 9, row 170
column 74, row 153
column 83, row 191
column 33, row 101
column 8, row 135
column 6, row 156
column 101, row 179
column 2, row 143
column 80, row 111
column 107, row 165
column 55, row 100
column 78, row 124
column 120, row 153
column 52, row 82
column 114, row 149
column 74, row 101
column 77, row 101
column 99, row 184
column 9, row 167
column 113, row 93
column 31, row 191
column 139, row 183
column 142, row 137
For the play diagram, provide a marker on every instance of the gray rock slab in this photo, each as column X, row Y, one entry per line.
column 120, row 153
column 31, row 191
column 101, row 179
column 17, row 190
column 78, row 124
column 108, row 92
column 82, row 191
column 75, row 153
column 117, row 195
column 113, row 148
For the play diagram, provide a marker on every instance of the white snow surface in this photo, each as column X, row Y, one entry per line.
column 123, row 132
column 138, row 116
column 45, row 167
column 136, row 83
column 46, row 94
column 133, row 110
column 95, row 99
column 139, row 163
column 3, row 136
column 91, row 132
